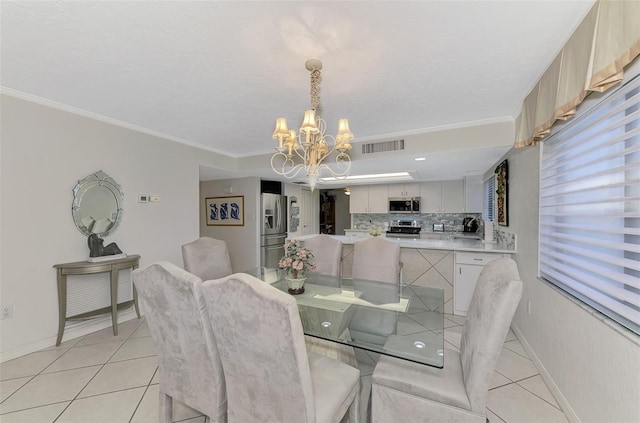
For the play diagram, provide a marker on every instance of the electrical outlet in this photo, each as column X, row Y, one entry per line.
column 7, row 312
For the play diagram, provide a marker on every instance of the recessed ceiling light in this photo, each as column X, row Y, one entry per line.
column 419, row 159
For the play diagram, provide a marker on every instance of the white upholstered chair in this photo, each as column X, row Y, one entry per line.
column 207, row 258
column 190, row 367
column 327, row 254
column 457, row 393
column 269, row 375
column 375, row 259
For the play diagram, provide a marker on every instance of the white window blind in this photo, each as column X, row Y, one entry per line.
column 489, row 196
column 589, row 206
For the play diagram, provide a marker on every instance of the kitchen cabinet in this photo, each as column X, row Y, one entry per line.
column 430, row 197
column 453, row 196
column 467, row 268
column 442, row 196
column 404, row 190
column 369, row 199
column 473, row 194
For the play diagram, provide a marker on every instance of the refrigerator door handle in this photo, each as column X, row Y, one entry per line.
column 277, row 212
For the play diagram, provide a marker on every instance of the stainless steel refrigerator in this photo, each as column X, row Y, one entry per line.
column 274, row 228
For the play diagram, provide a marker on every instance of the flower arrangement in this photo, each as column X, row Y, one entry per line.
column 297, row 260
column 374, row 232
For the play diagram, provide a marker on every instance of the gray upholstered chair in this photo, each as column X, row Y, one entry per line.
column 190, row 367
column 375, row 259
column 456, row 393
column 269, row 375
column 327, row 254
column 207, row 258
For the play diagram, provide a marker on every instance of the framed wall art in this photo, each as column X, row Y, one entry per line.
column 502, row 194
column 225, row 211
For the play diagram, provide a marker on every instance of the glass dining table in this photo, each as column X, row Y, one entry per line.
column 402, row 321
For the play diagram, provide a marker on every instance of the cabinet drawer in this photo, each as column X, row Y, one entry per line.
column 479, row 259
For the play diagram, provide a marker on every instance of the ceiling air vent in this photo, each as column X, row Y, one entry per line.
column 379, row 147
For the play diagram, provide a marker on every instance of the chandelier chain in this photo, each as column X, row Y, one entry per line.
column 315, row 89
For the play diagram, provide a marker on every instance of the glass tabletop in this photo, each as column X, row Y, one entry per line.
column 402, row 321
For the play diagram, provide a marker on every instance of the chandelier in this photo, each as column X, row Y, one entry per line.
column 310, row 147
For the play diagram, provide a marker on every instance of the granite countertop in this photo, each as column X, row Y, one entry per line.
column 430, row 244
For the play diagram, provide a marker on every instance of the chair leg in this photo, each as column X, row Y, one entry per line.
column 166, row 408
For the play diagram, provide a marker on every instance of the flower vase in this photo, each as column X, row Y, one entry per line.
column 295, row 284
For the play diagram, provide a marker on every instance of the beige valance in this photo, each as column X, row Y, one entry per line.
column 593, row 59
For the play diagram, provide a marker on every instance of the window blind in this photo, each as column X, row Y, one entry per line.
column 590, row 206
column 489, row 195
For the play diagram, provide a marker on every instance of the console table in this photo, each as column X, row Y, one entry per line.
column 112, row 267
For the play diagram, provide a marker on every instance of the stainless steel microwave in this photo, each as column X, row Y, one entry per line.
column 404, row 205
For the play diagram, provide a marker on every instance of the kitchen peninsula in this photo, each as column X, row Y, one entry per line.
column 452, row 264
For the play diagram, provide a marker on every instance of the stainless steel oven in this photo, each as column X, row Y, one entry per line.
column 407, row 229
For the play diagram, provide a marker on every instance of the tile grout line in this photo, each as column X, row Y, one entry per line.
column 21, row 386
column 93, row 377
column 533, row 393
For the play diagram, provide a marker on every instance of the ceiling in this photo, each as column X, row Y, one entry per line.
column 216, row 74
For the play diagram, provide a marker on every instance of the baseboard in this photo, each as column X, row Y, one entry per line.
column 555, row 391
column 72, row 331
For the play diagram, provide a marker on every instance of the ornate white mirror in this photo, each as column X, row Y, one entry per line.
column 97, row 204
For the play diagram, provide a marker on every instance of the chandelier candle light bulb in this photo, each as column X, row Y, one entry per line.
column 295, row 153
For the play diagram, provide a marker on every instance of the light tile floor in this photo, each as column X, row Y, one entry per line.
column 102, row 378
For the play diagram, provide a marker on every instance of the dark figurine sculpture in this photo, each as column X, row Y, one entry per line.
column 97, row 249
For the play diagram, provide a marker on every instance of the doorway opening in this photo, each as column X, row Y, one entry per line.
column 334, row 212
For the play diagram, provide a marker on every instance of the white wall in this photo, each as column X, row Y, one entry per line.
column 45, row 151
column 242, row 241
column 594, row 368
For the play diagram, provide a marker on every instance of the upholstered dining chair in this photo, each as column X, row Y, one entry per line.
column 207, row 258
column 190, row 367
column 269, row 375
column 456, row 393
column 376, row 259
column 327, row 253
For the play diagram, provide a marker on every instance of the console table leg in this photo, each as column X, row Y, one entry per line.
column 62, row 305
column 114, row 301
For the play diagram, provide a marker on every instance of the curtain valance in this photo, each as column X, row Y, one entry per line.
column 593, row 59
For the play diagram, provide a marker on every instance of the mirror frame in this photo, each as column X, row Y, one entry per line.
column 98, row 179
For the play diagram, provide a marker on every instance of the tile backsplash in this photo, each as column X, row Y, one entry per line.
column 452, row 221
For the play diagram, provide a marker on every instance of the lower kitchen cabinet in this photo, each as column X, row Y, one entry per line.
column 468, row 266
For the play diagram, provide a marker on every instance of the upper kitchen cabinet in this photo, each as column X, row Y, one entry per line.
column 431, row 197
column 442, row 196
column 473, row 194
column 404, row 190
column 453, row 196
column 369, row 199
